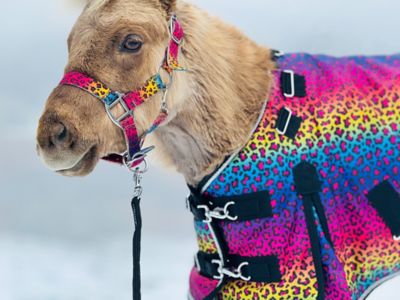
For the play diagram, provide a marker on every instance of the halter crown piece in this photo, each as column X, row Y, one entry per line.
column 129, row 101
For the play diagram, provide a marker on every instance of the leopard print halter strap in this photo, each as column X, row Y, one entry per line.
column 131, row 100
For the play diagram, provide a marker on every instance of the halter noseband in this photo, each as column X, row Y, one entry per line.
column 129, row 101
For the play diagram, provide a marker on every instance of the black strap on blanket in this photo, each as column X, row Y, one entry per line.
column 263, row 269
column 308, row 185
column 287, row 123
column 293, row 84
column 234, row 208
column 137, row 217
column 386, row 200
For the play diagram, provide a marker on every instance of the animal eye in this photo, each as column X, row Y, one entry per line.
column 132, row 43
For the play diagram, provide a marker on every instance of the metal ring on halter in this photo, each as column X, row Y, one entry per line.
column 138, row 157
column 141, row 168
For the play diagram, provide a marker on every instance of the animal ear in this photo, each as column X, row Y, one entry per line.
column 168, row 5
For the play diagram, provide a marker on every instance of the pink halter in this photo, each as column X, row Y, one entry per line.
column 130, row 100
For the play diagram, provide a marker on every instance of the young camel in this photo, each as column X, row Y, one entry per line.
column 263, row 230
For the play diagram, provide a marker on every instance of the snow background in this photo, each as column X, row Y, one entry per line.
column 71, row 238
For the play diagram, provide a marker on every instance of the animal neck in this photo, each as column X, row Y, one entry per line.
column 228, row 80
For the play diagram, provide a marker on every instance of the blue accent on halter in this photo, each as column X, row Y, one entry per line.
column 161, row 85
column 111, row 98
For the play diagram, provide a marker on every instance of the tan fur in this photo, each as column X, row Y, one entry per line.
column 213, row 106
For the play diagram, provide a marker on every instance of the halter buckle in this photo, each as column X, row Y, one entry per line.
column 232, row 273
column 127, row 112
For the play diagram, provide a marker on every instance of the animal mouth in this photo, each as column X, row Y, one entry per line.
column 84, row 165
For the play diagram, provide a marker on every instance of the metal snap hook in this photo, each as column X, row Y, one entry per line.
column 138, row 162
column 218, row 213
column 234, row 273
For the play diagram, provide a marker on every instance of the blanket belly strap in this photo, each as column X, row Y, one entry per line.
column 252, row 269
column 235, row 208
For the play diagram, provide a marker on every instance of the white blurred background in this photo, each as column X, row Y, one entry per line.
column 69, row 239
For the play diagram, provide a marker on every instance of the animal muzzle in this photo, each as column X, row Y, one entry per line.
column 57, row 142
column 66, row 135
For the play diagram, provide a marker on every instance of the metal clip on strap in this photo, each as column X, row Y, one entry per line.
column 218, row 213
column 234, row 208
column 232, row 273
column 263, row 269
column 138, row 162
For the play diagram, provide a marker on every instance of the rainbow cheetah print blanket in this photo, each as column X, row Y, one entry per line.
column 350, row 134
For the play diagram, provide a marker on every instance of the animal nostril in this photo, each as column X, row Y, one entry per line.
column 60, row 136
column 63, row 134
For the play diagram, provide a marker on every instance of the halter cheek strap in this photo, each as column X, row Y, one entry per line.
column 131, row 100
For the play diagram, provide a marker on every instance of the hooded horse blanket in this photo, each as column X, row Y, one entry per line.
column 309, row 208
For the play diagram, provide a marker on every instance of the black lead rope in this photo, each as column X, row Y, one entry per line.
column 137, row 218
column 137, row 232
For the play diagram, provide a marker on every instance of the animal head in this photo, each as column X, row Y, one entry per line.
column 120, row 43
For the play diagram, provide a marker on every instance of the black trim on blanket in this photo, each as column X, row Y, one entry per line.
column 386, row 200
